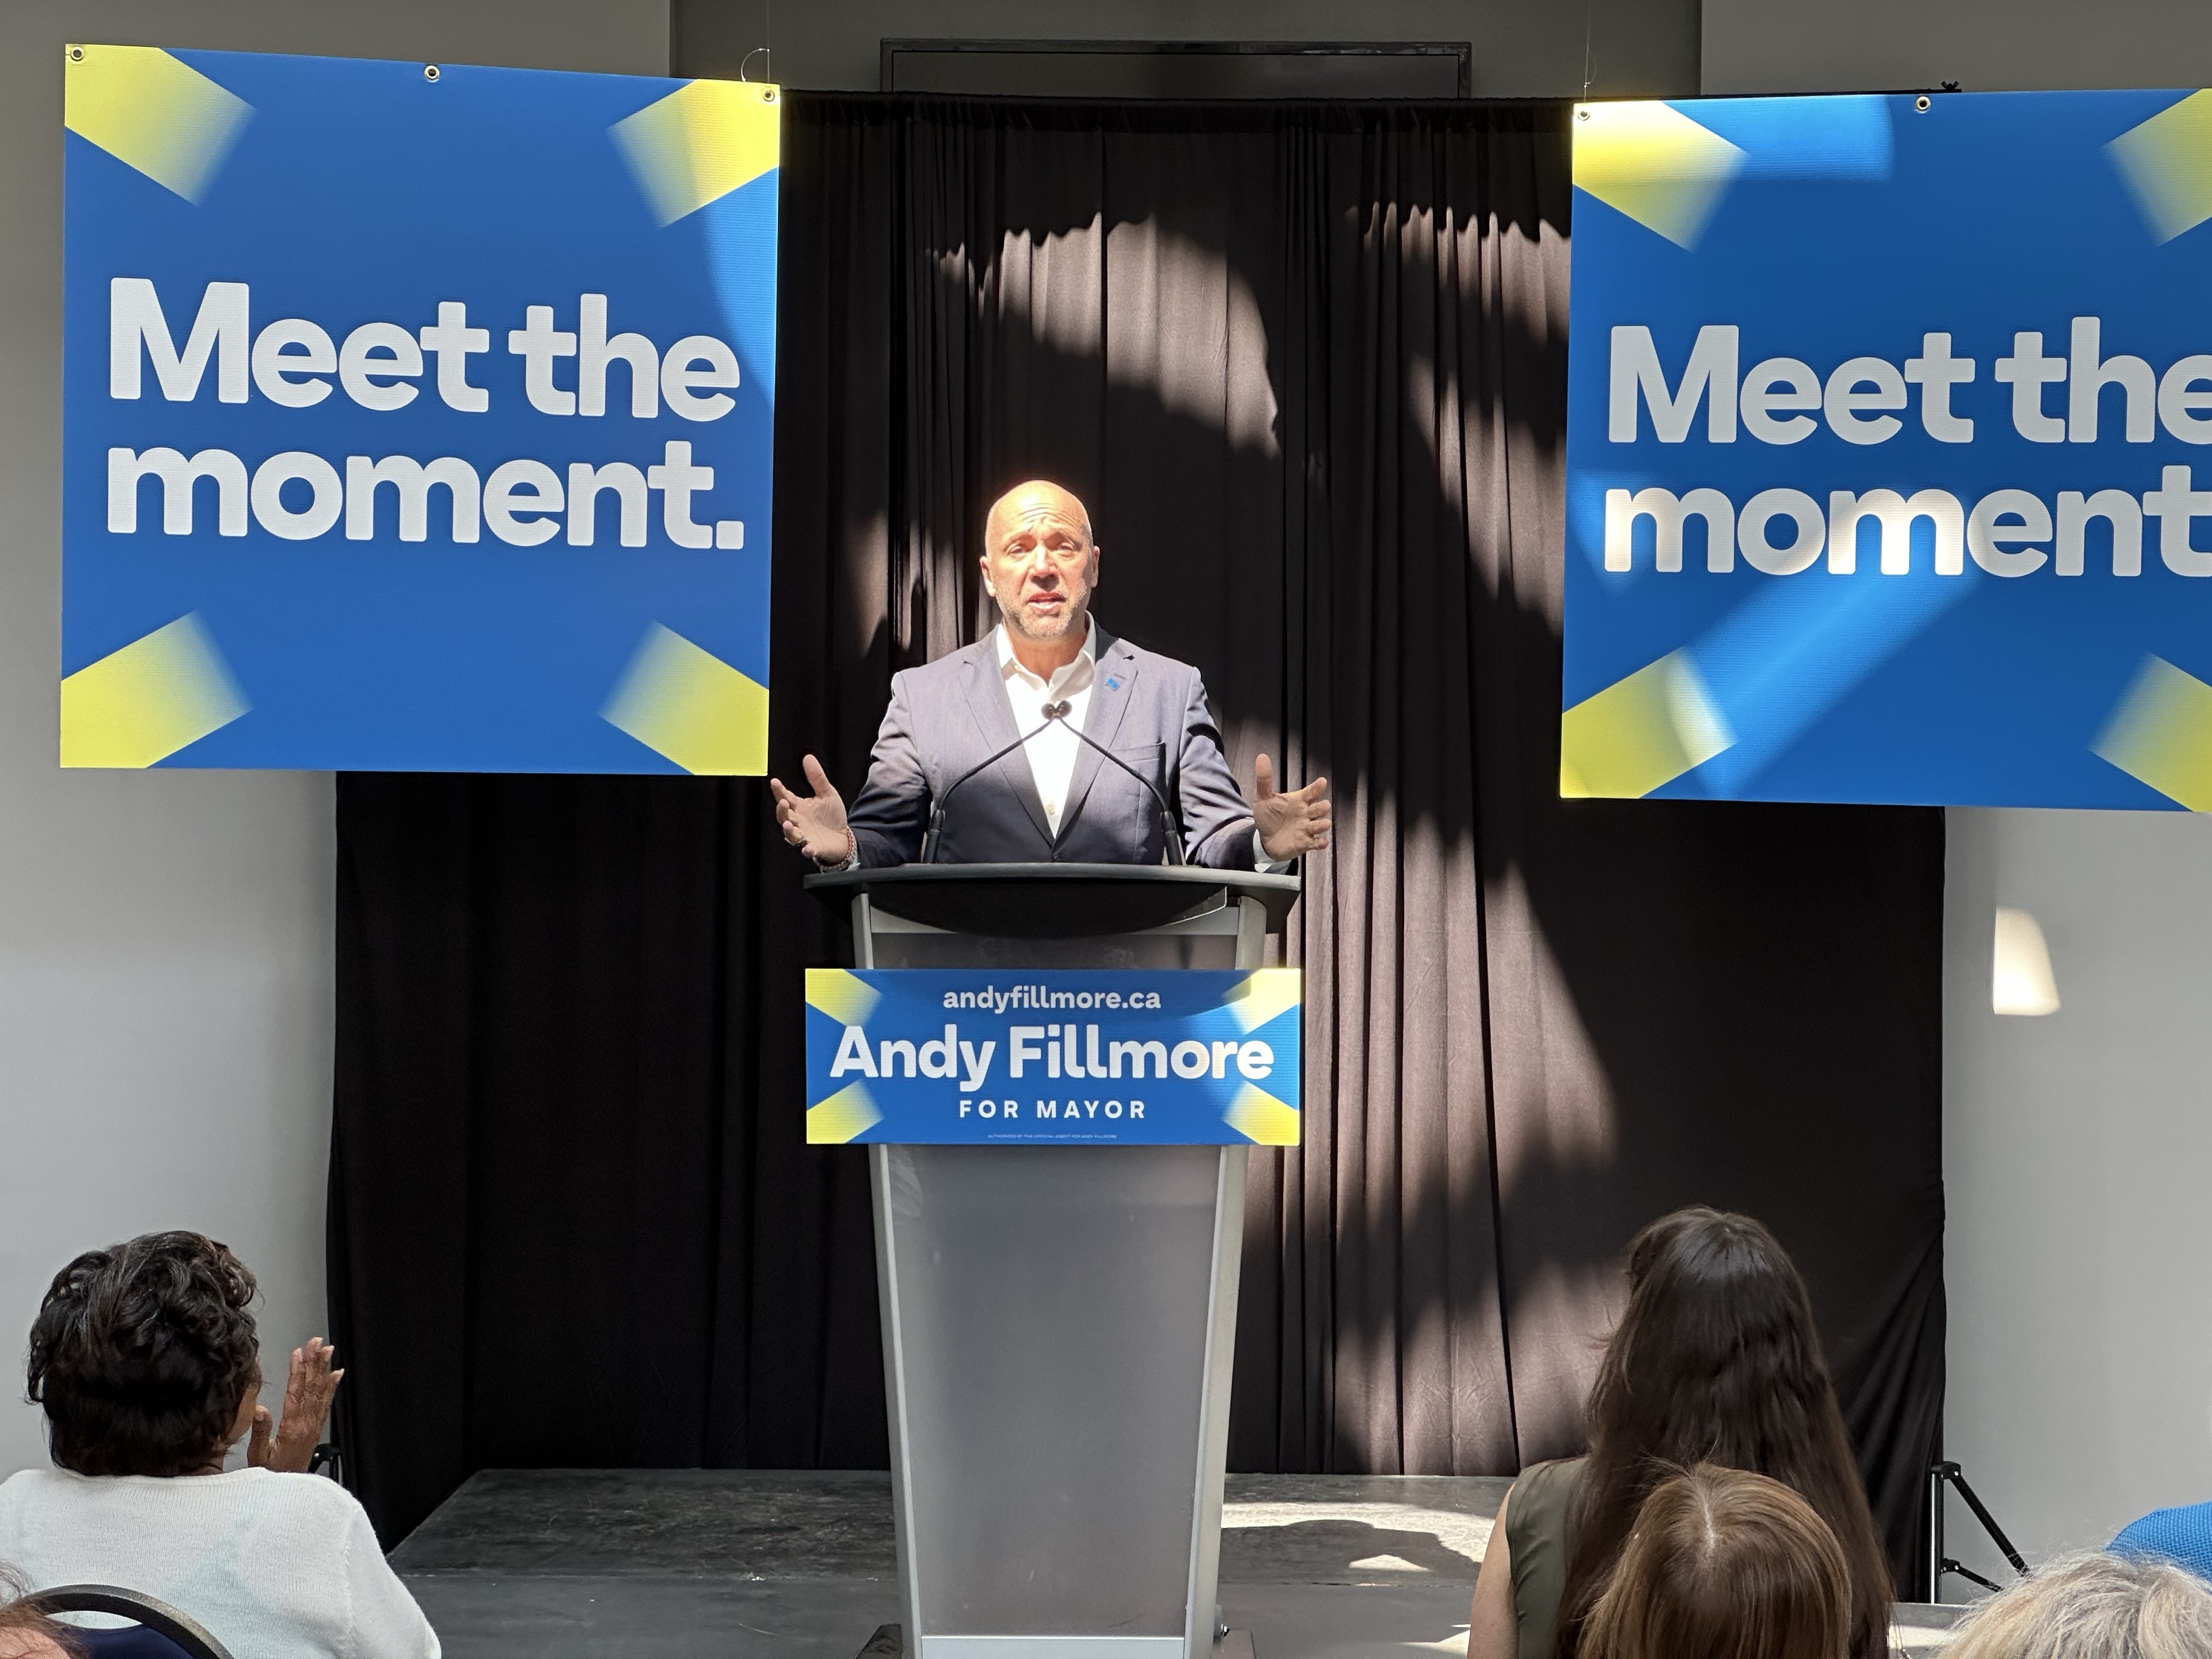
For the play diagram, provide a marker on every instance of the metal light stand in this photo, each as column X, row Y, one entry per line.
column 1939, row 1564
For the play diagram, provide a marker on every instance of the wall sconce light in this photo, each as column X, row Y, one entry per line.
column 2021, row 981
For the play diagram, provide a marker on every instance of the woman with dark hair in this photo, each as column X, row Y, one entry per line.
column 1724, row 1565
column 145, row 1358
column 1714, row 1361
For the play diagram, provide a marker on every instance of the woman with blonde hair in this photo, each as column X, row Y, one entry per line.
column 1724, row 1565
column 2092, row 1607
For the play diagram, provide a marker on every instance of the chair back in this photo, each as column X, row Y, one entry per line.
column 157, row 1631
column 128, row 1642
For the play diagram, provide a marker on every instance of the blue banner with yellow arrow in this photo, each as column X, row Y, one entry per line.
column 416, row 415
column 1888, row 476
column 1060, row 1056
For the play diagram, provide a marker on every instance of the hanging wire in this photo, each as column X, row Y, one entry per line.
column 767, row 48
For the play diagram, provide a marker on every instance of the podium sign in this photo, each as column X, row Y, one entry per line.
column 415, row 417
column 925, row 1056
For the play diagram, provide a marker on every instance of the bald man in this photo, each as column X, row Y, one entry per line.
column 1047, row 666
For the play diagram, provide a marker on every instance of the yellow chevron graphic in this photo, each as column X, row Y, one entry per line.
column 2161, row 733
column 851, row 1111
column 1267, row 993
column 1655, row 164
column 692, row 707
column 704, row 140
column 2167, row 162
column 1261, row 1119
column 142, row 704
column 152, row 112
column 1641, row 731
column 843, row 995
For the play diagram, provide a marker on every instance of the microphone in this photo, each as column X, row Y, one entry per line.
column 1051, row 712
column 1059, row 711
column 937, row 817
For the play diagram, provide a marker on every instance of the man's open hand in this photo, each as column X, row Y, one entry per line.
column 289, row 1447
column 1289, row 823
column 814, row 824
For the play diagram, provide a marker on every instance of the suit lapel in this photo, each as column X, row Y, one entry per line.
column 1114, row 678
column 994, row 717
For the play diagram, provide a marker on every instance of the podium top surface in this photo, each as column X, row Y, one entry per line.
column 1041, row 900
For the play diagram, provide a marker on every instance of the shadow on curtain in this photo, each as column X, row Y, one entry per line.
column 1307, row 366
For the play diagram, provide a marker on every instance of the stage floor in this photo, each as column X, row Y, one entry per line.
column 685, row 1563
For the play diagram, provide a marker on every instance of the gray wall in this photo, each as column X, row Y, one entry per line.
column 2077, row 1148
column 2077, row 1157
column 166, row 936
column 1521, row 50
column 1986, row 46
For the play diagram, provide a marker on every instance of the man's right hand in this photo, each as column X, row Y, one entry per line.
column 814, row 824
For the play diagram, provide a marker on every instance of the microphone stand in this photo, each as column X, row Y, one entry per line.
column 1053, row 711
column 937, row 816
column 1059, row 711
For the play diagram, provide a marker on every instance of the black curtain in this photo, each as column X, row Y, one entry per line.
column 1306, row 363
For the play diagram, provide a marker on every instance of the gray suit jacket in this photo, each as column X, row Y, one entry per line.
column 948, row 714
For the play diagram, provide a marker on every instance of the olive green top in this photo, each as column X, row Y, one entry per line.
column 1537, row 1513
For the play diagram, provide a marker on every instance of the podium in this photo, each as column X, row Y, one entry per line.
column 1058, row 1320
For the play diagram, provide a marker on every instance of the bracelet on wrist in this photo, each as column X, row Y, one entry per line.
column 851, row 855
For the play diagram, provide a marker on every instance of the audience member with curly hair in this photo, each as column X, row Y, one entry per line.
column 145, row 1358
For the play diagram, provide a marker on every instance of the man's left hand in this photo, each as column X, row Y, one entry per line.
column 1289, row 823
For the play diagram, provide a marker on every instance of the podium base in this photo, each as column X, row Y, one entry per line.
column 889, row 1643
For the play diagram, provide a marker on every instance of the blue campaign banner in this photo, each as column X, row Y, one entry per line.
column 1886, row 450
column 416, row 415
column 983, row 1056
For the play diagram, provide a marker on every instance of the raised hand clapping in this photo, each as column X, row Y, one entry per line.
column 289, row 1446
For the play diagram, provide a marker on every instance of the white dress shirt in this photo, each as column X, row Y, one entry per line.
column 1053, row 751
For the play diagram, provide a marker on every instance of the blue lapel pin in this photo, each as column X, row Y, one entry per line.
column 1113, row 685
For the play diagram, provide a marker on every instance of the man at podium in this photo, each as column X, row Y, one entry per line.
column 1050, row 739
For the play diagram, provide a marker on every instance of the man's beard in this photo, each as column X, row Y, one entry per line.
column 1071, row 613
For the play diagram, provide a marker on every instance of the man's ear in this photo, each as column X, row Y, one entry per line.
column 1092, row 578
